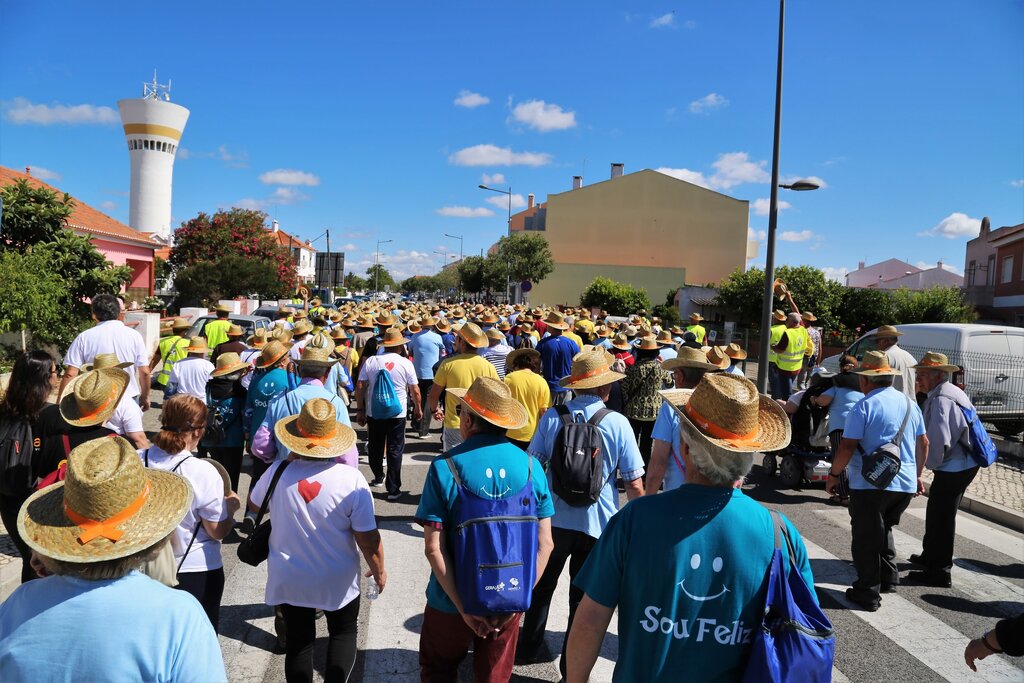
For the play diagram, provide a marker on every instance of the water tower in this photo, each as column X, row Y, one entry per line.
column 153, row 127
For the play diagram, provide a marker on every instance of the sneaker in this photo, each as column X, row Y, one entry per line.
column 918, row 559
column 865, row 603
column 377, row 481
column 888, row 588
column 394, row 496
column 932, row 579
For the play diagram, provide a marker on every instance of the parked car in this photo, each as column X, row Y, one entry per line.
column 991, row 358
column 248, row 323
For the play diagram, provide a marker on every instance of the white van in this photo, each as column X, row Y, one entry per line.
column 991, row 358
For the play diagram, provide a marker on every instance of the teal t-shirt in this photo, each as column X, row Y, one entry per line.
column 688, row 572
column 489, row 466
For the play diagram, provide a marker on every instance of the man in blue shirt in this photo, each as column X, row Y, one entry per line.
column 556, row 354
column 875, row 421
column 427, row 348
column 444, row 330
column 687, row 569
column 575, row 530
column 488, row 465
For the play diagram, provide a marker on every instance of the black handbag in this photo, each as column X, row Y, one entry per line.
column 256, row 546
column 882, row 465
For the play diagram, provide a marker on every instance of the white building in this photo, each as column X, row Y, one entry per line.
column 895, row 274
column 303, row 253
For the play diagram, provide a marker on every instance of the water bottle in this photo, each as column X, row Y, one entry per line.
column 372, row 593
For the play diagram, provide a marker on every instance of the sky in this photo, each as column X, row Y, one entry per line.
column 378, row 122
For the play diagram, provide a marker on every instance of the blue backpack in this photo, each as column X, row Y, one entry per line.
column 795, row 641
column 494, row 548
column 384, row 403
column 981, row 447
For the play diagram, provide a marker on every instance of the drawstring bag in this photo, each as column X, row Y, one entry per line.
column 384, row 403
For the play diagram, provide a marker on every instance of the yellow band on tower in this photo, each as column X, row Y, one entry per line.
column 152, row 129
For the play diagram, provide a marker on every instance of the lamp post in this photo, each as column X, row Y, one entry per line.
column 459, row 238
column 508, row 232
column 376, row 266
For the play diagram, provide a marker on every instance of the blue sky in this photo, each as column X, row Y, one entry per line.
column 388, row 116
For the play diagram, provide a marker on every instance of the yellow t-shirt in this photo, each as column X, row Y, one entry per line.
column 458, row 372
column 216, row 332
column 575, row 337
column 532, row 391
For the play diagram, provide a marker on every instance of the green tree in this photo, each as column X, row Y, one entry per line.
column 225, row 278
column 742, row 293
column 934, row 305
column 31, row 296
column 617, row 298
column 526, row 256
column 866, row 309
column 668, row 311
column 354, row 283
column 378, row 277
column 32, row 215
column 472, row 271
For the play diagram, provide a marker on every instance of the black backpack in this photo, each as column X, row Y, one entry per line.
column 577, row 462
column 216, row 423
column 15, row 457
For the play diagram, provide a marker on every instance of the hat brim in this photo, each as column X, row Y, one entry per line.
column 556, row 326
column 880, row 372
column 591, row 382
column 511, row 358
column 311, row 363
column 119, row 366
column 773, row 430
column 264, row 366
column 940, row 368
column 510, row 416
column 288, row 434
column 47, row 530
column 673, row 363
column 70, row 411
column 395, row 342
column 197, row 349
column 886, row 335
column 476, row 345
column 740, row 355
column 229, row 370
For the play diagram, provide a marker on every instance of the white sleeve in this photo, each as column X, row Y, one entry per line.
column 141, row 356
column 209, row 490
column 132, row 417
column 73, row 358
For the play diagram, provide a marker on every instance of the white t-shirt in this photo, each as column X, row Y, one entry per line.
column 113, row 337
column 207, row 504
column 190, row 376
column 296, row 351
column 402, row 375
column 314, row 560
column 249, row 356
column 127, row 417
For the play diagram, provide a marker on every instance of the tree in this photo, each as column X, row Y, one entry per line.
column 934, row 305
column 668, row 311
column 742, row 293
column 32, row 215
column 615, row 297
column 354, row 283
column 471, row 274
column 526, row 256
column 866, row 309
column 225, row 278
column 31, row 296
column 378, row 277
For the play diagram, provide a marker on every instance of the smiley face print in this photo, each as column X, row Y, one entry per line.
column 698, row 564
column 499, row 484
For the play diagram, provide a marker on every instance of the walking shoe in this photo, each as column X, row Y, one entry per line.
column 377, row 481
column 888, row 588
column 394, row 496
column 933, row 579
column 918, row 559
column 862, row 601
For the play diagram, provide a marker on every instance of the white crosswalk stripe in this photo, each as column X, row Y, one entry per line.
column 1001, row 541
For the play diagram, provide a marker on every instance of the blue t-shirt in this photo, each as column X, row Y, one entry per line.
column 488, row 465
column 448, row 338
column 688, row 571
column 290, row 403
column 426, row 347
column 666, row 428
column 261, row 391
column 620, row 453
column 231, row 409
column 874, row 420
column 843, row 400
column 556, row 359
column 63, row 628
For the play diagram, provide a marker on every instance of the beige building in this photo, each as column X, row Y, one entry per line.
column 646, row 229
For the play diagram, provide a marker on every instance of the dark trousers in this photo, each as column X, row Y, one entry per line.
column 231, row 458
column 206, row 587
column 642, row 430
column 843, row 489
column 424, row 425
column 300, row 625
column 9, row 508
column 783, row 386
column 571, row 545
column 940, row 520
column 873, row 514
column 386, row 435
column 445, row 639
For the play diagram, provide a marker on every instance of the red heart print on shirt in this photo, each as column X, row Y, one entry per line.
column 390, row 366
column 309, row 490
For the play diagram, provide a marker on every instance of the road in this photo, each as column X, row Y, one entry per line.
column 918, row 635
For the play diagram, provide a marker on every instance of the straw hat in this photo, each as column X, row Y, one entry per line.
column 197, row 345
column 106, row 360
column 621, row 342
column 443, row 326
column 386, row 320
column 664, row 338
column 690, row 357
column 696, row 317
column 590, row 369
column 735, row 351
column 875, row 364
column 302, row 327
column 316, row 356
column 281, row 334
column 91, row 398
column 488, row 318
column 235, row 331
column 228, row 364
column 365, row 322
column 458, row 312
column 222, row 308
column 809, row 317
column 315, row 432
column 180, row 324
column 886, row 331
column 429, row 321
column 778, row 316
column 413, row 327
column 556, row 320
column 934, row 360
column 473, row 335
column 284, row 310
column 271, row 353
column 504, row 326
column 491, row 400
column 339, row 333
column 510, row 359
column 726, row 412
column 648, row 343
column 393, row 337
column 321, row 340
column 716, row 356
column 496, row 335
column 258, row 338
column 299, row 315
column 109, row 507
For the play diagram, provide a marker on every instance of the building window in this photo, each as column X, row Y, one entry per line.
column 1007, row 270
column 970, row 273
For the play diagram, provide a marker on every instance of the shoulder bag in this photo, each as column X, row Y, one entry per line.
column 256, row 546
column 882, row 465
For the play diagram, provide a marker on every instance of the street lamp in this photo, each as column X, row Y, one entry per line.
column 376, row 266
column 505, row 192
column 459, row 238
column 773, row 218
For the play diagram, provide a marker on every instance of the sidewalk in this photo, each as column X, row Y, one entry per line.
column 996, row 494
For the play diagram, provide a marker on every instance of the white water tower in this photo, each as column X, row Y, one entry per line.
column 153, row 128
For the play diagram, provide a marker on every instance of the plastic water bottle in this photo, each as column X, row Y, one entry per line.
column 372, row 593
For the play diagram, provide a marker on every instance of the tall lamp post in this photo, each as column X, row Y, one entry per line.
column 508, row 232
column 459, row 238
column 376, row 265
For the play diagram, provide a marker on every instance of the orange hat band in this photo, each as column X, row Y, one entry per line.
column 107, row 528
column 586, row 375
column 321, row 441
column 480, row 410
column 103, row 406
column 711, row 429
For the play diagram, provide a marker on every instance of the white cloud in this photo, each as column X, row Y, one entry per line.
column 287, row 176
column 736, row 168
column 108, row 205
column 22, row 111
column 400, row 264
column 492, row 155
column 464, row 211
column 666, row 20
column 281, row 196
column 953, row 226
column 760, row 207
column 695, row 177
column 1017, row 183
column 836, row 274
column 44, row 173
column 708, row 103
column 795, row 236
column 183, row 153
column 471, row 100
column 501, row 201
column 233, row 159
column 493, row 179
column 349, row 247
column 540, row 115
column 756, row 235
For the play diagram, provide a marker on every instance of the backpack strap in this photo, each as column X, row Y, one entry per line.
column 564, row 414
column 455, row 472
column 598, row 416
column 175, row 468
column 146, row 457
column 782, row 532
column 903, row 425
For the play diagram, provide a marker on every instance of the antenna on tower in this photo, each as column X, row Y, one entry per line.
column 155, row 91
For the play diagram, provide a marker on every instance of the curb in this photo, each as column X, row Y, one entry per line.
column 993, row 512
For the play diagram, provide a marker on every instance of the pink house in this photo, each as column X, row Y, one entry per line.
column 895, row 274
column 116, row 241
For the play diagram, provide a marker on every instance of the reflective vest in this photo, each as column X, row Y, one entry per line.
column 216, row 332
column 698, row 331
column 773, row 340
column 171, row 351
column 792, row 359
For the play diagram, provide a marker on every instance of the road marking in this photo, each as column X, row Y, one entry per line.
column 838, row 676
column 926, row 638
column 1000, row 541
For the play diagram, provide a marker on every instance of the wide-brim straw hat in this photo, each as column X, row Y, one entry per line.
column 875, row 364
column 223, row 308
column 271, row 353
column 107, row 360
column 393, row 337
column 590, row 369
column 716, row 356
column 228, row 364
column 339, row 333
column 473, row 335
column 556, row 320
column 504, row 326
column 933, row 360
column 92, row 397
column 735, row 351
column 180, row 324
column 315, row 432
column 108, row 507
column 284, row 309
column 696, row 317
column 664, row 338
column 414, row 327
column 496, row 335
column 386, row 320
column 807, row 316
column 321, row 340
column 491, row 400
column 648, row 343
column 726, row 412
column 197, row 345
column 489, row 318
column 302, row 327
column 365, row 322
column 689, row 357
column 621, row 342
column 886, row 331
column 258, row 338
column 510, row 359
column 235, row 331
column 299, row 315
column 313, row 356
column 443, row 326
column 778, row 316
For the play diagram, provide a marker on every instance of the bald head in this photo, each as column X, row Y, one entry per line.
column 793, row 320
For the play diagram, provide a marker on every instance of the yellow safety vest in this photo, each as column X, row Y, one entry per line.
column 774, row 338
column 792, row 359
column 171, row 350
column 698, row 331
column 216, row 332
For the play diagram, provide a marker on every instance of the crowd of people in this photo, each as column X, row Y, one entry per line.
column 545, row 417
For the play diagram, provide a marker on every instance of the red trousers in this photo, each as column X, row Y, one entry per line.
column 445, row 639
